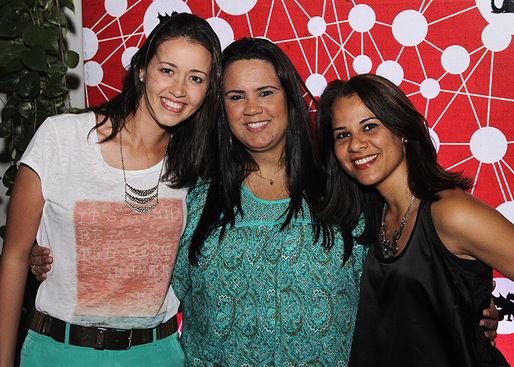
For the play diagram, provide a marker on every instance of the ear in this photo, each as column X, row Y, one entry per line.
column 141, row 74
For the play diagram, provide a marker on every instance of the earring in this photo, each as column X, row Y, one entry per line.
column 405, row 141
column 141, row 79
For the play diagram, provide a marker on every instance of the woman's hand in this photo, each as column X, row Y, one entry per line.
column 40, row 263
column 490, row 320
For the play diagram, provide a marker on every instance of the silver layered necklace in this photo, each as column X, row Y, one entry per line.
column 141, row 200
column 390, row 248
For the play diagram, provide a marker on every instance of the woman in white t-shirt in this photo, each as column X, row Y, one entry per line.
column 105, row 190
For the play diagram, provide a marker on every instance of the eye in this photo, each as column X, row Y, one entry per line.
column 369, row 126
column 266, row 93
column 235, row 97
column 197, row 79
column 341, row 135
column 166, row 71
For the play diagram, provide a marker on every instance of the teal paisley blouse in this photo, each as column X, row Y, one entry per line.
column 265, row 297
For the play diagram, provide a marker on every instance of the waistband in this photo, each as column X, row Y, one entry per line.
column 99, row 337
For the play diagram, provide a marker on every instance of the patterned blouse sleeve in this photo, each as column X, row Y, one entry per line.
column 359, row 250
column 181, row 281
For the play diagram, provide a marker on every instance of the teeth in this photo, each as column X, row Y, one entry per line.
column 171, row 104
column 256, row 124
column 365, row 160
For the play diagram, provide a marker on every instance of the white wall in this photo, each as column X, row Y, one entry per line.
column 74, row 41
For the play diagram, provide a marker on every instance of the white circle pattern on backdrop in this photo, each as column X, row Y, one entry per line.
column 93, row 73
column 317, row 26
column 160, row 8
column 362, row 18
column 340, row 39
column 223, row 30
column 362, row 64
column 410, row 28
column 89, row 43
column 238, row 7
column 115, row 8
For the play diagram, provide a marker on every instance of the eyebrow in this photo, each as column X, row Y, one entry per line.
column 360, row 123
column 175, row 66
column 264, row 87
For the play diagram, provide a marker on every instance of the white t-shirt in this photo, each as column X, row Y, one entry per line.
column 112, row 266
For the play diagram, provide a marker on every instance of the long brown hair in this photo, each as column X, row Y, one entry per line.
column 345, row 199
column 191, row 142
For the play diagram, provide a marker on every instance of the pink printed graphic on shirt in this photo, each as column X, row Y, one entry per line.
column 125, row 259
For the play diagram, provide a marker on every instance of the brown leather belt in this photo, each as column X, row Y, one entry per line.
column 98, row 337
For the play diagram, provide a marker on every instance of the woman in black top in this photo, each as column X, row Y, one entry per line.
column 428, row 273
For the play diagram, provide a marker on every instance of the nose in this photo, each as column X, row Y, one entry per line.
column 252, row 107
column 356, row 144
column 177, row 88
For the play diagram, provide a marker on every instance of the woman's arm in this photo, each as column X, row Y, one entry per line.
column 24, row 215
column 471, row 229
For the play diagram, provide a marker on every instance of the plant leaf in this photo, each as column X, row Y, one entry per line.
column 21, row 5
column 13, row 66
column 54, row 88
column 25, row 109
column 43, row 106
column 69, row 4
column 9, row 82
column 40, row 118
column 22, row 142
column 56, row 71
column 71, row 59
column 8, row 179
column 5, row 130
column 8, row 112
column 8, row 12
column 5, row 43
column 9, row 29
column 55, row 16
column 29, row 86
column 34, row 58
column 40, row 36
column 11, row 52
column 52, row 59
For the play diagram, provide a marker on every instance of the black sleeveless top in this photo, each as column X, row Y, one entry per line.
column 422, row 308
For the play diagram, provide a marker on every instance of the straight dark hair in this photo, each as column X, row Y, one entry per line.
column 346, row 200
column 304, row 180
column 191, row 140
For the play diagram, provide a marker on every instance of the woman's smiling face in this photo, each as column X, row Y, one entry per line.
column 365, row 148
column 177, row 80
column 256, row 105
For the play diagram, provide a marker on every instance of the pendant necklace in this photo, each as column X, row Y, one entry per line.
column 390, row 248
column 271, row 180
column 141, row 200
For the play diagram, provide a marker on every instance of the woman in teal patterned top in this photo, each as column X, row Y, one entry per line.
column 261, row 282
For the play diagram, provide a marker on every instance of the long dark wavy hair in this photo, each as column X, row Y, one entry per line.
column 304, row 180
column 191, row 139
column 345, row 199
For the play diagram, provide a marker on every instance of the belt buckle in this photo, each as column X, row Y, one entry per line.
column 130, row 340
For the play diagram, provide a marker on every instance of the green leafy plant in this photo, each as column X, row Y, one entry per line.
column 33, row 66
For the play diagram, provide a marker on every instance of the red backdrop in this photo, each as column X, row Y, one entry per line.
column 452, row 58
